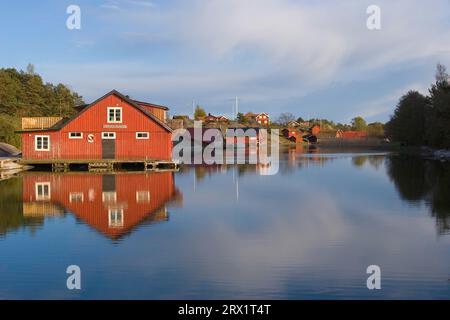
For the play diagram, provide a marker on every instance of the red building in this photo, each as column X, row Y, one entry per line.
column 242, row 136
column 112, row 204
column 211, row 118
column 263, row 118
column 351, row 134
column 112, row 127
column 299, row 134
column 222, row 119
column 315, row 130
column 292, row 134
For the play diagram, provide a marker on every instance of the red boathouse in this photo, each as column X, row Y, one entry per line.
column 114, row 127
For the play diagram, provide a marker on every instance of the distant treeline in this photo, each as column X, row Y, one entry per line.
column 424, row 120
column 23, row 94
column 374, row 129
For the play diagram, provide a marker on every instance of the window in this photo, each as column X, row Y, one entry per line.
column 114, row 115
column 43, row 191
column 75, row 135
column 91, row 195
column 142, row 135
column 109, row 196
column 115, row 218
column 42, row 143
column 76, row 197
column 142, row 196
column 108, row 135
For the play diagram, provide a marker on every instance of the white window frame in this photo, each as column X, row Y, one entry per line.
column 115, row 223
column 75, row 137
column 142, row 138
column 43, row 197
column 143, row 196
column 109, row 196
column 74, row 196
column 108, row 137
column 91, row 195
column 42, row 143
column 114, row 109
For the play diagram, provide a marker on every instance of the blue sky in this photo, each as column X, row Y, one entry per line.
column 311, row 58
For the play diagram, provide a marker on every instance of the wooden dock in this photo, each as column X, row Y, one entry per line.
column 103, row 165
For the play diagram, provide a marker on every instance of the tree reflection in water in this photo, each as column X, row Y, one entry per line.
column 418, row 180
column 11, row 217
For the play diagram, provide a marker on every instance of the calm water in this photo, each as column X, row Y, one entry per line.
column 308, row 232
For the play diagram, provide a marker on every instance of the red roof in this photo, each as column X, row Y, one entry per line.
column 351, row 134
column 148, row 104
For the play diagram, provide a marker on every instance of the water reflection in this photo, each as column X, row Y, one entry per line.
column 418, row 180
column 11, row 208
column 296, row 157
column 308, row 232
column 113, row 204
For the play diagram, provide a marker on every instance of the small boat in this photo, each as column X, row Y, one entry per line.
column 9, row 151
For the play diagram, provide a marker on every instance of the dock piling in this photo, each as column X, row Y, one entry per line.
column 103, row 165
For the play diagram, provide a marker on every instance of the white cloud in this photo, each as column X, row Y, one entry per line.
column 109, row 6
column 315, row 41
column 385, row 104
column 141, row 3
column 266, row 50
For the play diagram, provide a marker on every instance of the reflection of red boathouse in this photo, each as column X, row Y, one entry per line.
column 111, row 203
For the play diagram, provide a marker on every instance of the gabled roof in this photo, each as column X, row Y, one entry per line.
column 143, row 103
column 61, row 124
